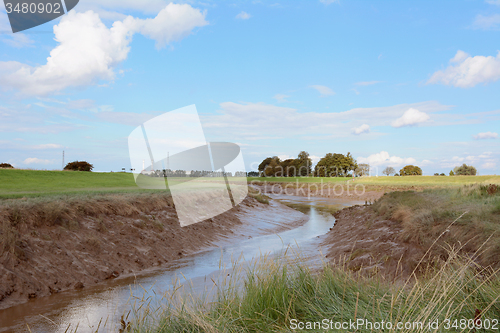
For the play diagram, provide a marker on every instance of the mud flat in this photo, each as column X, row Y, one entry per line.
column 370, row 244
column 53, row 258
column 341, row 193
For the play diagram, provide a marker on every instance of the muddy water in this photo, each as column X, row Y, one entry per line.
column 100, row 308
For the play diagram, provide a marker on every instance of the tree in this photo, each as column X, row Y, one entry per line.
column 452, row 173
column 362, row 169
column 79, row 166
column 335, row 165
column 389, row 171
column 264, row 163
column 465, row 170
column 442, row 174
column 436, row 174
column 289, row 168
column 272, row 169
column 411, row 170
column 6, row 166
column 303, row 164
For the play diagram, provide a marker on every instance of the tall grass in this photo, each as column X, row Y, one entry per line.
column 278, row 293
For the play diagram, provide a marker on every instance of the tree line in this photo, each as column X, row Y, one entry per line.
column 331, row 165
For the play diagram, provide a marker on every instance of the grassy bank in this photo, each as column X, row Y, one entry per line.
column 277, row 295
column 467, row 216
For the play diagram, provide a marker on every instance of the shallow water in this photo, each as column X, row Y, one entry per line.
column 102, row 306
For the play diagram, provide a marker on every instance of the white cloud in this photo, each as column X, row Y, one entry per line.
column 489, row 165
column 383, row 158
column 490, row 22
column 466, row 71
column 324, row 90
column 493, row 2
column 486, row 135
column 172, row 23
column 361, row 129
column 281, row 98
column 47, row 146
column 255, row 120
column 88, row 51
column 328, row 2
column 243, row 16
column 17, row 40
column 34, row 160
column 410, row 118
column 367, row 83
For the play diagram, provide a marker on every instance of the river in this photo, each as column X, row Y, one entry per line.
column 100, row 308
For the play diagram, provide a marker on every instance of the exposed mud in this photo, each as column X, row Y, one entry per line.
column 369, row 244
column 94, row 249
column 340, row 192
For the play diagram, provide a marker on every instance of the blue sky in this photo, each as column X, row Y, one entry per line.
column 394, row 83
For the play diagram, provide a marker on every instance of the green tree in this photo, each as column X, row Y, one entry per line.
column 389, row 171
column 452, row 173
column 411, row 170
column 289, row 167
column 362, row 170
column 272, row 169
column 335, row 165
column 266, row 163
column 79, row 166
column 465, row 170
column 303, row 164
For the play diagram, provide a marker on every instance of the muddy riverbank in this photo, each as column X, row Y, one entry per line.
column 53, row 259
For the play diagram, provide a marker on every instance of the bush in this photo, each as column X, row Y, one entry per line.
column 79, row 166
column 6, row 166
column 465, row 170
column 442, row 174
column 411, row 170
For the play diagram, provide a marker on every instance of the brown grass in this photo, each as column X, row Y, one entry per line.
column 424, row 216
column 17, row 216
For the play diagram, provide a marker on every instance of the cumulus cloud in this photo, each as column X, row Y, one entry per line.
column 486, row 135
column 88, row 51
column 243, row 16
column 34, row 160
column 490, row 22
column 383, row 158
column 466, row 71
column 324, row 90
column 172, row 23
column 361, row 129
column 410, row 118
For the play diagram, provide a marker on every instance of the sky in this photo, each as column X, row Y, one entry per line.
column 391, row 82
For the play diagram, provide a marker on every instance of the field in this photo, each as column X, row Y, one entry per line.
column 32, row 183
column 427, row 181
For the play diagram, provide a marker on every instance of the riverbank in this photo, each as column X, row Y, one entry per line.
column 52, row 246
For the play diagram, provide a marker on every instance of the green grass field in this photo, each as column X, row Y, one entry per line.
column 427, row 181
column 33, row 183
